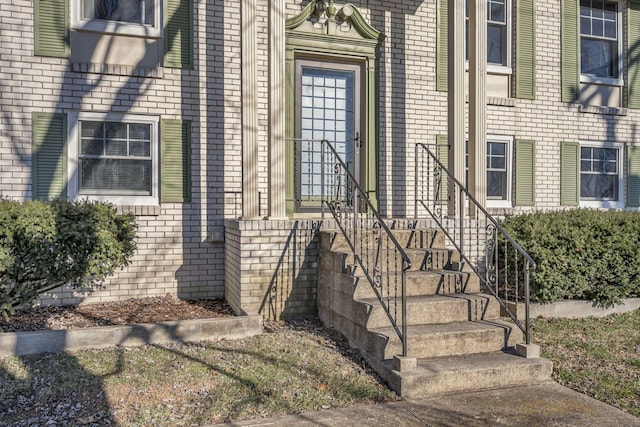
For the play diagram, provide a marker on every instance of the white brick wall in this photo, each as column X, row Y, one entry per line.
column 174, row 255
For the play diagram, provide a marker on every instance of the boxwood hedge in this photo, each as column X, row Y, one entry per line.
column 44, row 245
column 581, row 253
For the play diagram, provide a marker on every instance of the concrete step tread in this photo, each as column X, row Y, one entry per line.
column 459, row 364
column 416, row 332
column 461, row 298
column 466, row 372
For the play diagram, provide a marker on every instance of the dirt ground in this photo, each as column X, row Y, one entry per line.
column 138, row 310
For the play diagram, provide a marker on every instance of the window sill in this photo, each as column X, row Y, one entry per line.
column 605, row 81
column 595, row 109
column 139, row 210
column 499, row 204
column 612, row 204
column 501, row 102
column 497, row 101
column 117, row 70
column 118, row 28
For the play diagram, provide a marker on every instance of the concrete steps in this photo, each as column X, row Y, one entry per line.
column 434, row 309
column 454, row 331
column 415, row 238
column 444, row 339
column 466, row 372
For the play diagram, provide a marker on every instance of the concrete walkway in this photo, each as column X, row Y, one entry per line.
column 546, row 404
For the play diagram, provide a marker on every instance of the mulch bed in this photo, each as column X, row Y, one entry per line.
column 131, row 311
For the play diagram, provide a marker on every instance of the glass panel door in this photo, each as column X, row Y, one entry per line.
column 327, row 109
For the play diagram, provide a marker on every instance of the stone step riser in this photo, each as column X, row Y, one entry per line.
column 409, row 239
column 424, row 283
column 442, row 344
column 455, row 375
column 421, row 259
column 425, row 312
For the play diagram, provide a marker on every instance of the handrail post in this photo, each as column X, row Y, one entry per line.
column 526, row 302
column 461, row 208
column 322, row 171
column 405, row 346
column 415, row 184
column 355, row 197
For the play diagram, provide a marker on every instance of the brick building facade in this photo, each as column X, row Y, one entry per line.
column 212, row 94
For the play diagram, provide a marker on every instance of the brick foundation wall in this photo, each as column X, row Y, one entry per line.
column 272, row 266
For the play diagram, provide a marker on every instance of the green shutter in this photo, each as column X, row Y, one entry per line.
column 633, row 54
column 49, row 156
column 178, row 34
column 175, row 161
column 442, row 60
column 525, row 70
column 633, row 176
column 569, row 173
column 51, row 27
column 442, row 153
column 570, row 45
column 525, row 185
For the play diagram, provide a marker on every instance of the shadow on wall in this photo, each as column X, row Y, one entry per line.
column 292, row 290
column 85, row 90
column 201, row 274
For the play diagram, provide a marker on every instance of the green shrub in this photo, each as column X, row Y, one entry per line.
column 581, row 253
column 44, row 245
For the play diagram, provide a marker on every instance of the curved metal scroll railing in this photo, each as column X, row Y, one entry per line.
column 500, row 262
column 374, row 248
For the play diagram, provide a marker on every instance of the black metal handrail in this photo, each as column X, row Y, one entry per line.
column 477, row 236
column 374, row 248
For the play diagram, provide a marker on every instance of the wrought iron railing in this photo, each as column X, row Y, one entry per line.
column 374, row 249
column 500, row 262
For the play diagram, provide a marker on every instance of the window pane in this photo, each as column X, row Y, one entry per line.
column 92, row 129
column 91, row 147
column 495, row 44
column 585, row 26
column 116, row 176
column 495, row 10
column 136, row 11
column 598, row 187
column 610, row 29
column 497, row 185
column 140, row 131
column 115, row 130
column 140, row 149
column 598, row 57
column 116, row 148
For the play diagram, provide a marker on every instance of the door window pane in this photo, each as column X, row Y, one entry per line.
column 327, row 97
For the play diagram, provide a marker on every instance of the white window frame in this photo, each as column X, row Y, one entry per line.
column 504, row 139
column 619, row 81
column 610, row 204
column 116, row 27
column 508, row 140
column 73, row 153
column 495, row 68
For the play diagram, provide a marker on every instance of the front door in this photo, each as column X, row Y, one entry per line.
column 327, row 108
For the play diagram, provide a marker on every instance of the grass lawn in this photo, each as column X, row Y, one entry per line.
column 599, row 357
column 291, row 368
